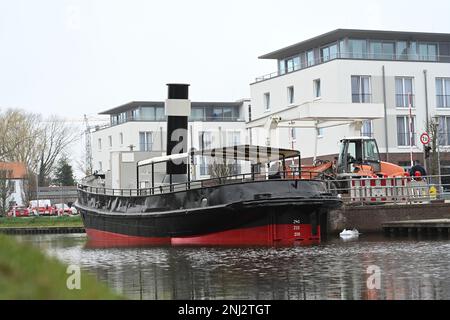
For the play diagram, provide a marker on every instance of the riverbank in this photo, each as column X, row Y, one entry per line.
column 63, row 221
column 26, row 273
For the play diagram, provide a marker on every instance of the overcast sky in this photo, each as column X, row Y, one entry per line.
column 71, row 57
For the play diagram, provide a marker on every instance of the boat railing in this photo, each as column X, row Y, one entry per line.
column 204, row 183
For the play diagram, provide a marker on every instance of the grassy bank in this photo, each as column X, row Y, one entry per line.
column 26, row 273
column 63, row 221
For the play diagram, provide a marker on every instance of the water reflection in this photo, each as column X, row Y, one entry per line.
column 336, row 269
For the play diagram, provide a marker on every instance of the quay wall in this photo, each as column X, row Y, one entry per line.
column 369, row 218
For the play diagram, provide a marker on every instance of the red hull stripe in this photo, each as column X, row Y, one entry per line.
column 262, row 235
column 99, row 236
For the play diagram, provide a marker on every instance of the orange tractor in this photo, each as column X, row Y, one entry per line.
column 358, row 158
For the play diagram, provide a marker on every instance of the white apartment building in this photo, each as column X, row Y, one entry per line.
column 137, row 131
column 322, row 85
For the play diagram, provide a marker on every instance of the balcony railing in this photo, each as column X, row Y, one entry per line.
column 355, row 56
column 402, row 100
column 443, row 101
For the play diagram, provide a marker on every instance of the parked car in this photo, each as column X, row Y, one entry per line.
column 64, row 209
column 17, row 211
column 44, row 207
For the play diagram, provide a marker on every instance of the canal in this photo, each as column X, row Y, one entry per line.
column 335, row 269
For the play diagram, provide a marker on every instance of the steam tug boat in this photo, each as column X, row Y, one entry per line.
column 263, row 207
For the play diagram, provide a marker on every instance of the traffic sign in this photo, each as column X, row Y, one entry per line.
column 425, row 138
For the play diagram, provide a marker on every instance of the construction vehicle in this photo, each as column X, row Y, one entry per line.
column 358, row 157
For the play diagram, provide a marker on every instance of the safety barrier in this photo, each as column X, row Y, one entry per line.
column 390, row 190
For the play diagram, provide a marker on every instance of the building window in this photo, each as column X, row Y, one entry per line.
column 99, row 144
column 382, row 50
column 320, row 132
column 427, row 52
column 290, row 95
column 110, row 141
column 367, row 128
column 404, row 93
column 292, row 64
column 249, row 113
column 403, row 131
column 357, row 49
column 145, row 141
column 443, row 92
column 310, row 58
column 233, row 138
column 100, row 166
column 401, row 49
column 267, row 100
column 205, row 142
column 317, row 89
column 444, row 131
column 329, row 52
column 361, row 89
column 121, row 138
column 293, row 134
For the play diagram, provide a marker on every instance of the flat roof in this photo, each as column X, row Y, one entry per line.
column 134, row 104
column 332, row 36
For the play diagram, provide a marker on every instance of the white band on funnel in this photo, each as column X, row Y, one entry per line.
column 178, row 107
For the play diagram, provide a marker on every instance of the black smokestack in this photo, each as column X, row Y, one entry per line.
column 178, row 109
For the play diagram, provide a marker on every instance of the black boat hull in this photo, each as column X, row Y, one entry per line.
column 251, row 213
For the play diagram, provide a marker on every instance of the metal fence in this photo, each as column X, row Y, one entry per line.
column 393, row 190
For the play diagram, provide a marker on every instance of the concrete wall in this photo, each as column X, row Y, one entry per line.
column 368, row 219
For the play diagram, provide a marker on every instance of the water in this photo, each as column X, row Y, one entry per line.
column 336, row 269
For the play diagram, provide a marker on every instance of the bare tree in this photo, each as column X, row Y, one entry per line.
column 37, row 142
column 5, row 190
column 56, row 137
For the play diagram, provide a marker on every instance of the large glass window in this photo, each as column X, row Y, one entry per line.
column 293, row 64
column 402, row 50
column 403, row 131
column 198, row 114
column 443, row 92
column 145, row 141
column 404, row 93
column 427, row 52
column 412, row 51
column 444, row 131
column 329, row 52
column 282, row 66
column 361, row 89
column 357, row 49
column 382, row 50
column 310, row 58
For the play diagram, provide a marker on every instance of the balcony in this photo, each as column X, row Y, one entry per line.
column 355, row 56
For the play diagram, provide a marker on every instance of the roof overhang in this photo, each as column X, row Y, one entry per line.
column 335, row 35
